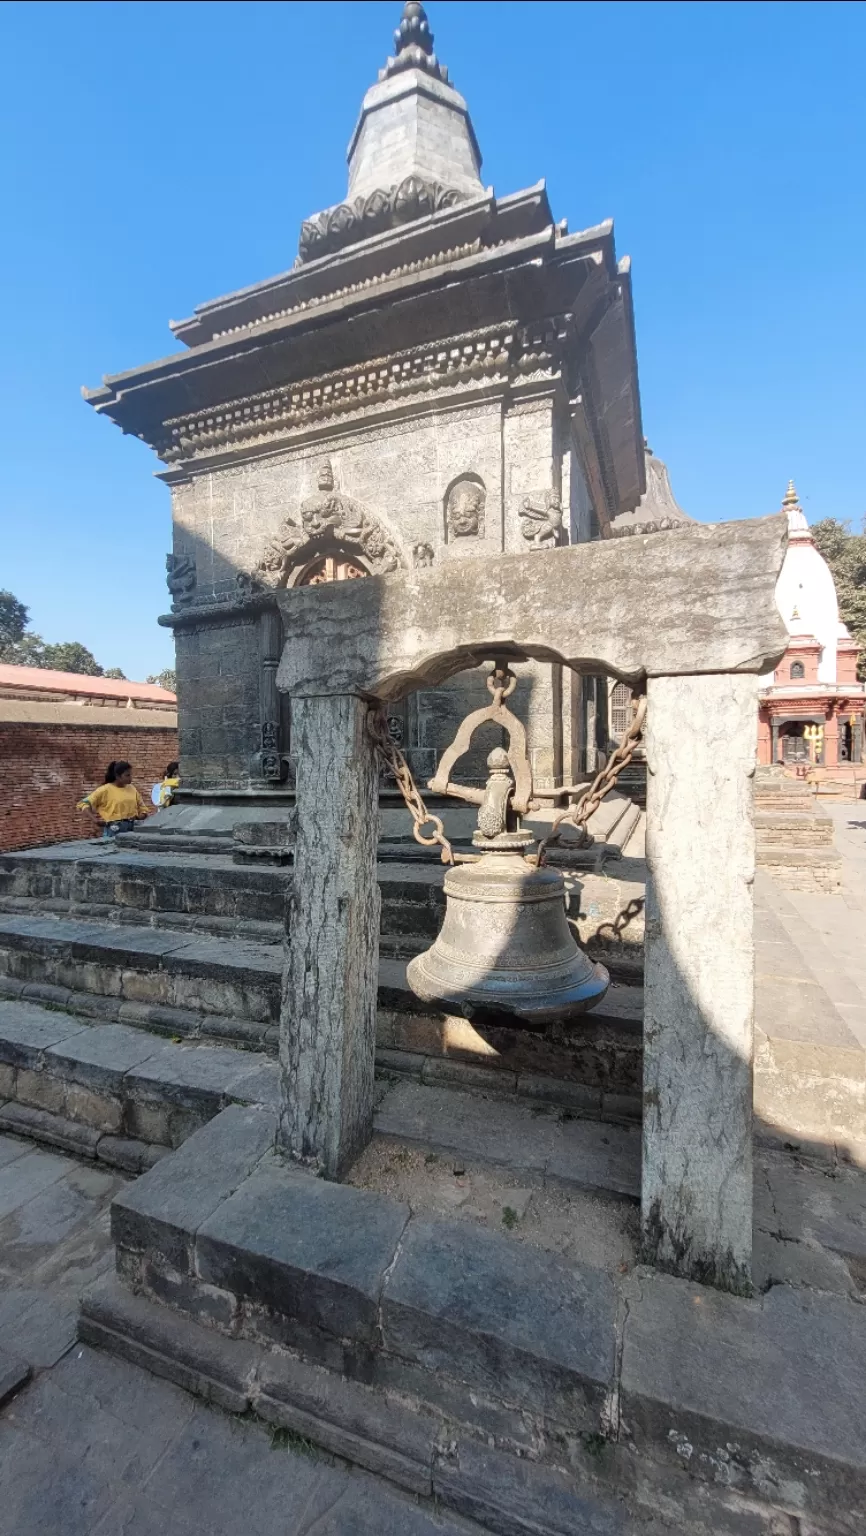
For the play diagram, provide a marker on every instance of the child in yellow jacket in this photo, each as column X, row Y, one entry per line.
column 116, row 805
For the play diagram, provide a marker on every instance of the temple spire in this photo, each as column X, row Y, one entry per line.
column 797, row 523
column 413, row 45
column 414, row 126
column 791, row 499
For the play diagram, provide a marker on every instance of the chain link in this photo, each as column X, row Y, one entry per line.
column 393, row 759
column 602, row 784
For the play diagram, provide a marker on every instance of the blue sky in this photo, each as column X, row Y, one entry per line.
column 156, row 155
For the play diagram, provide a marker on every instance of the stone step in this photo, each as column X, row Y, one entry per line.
column 628, row 823
column 800, row 799
column 801, row 869
column 84, row 874
column 203, row 974
column 595, row 1071
column 176, row 842
column 179, row 922
column 112, row 1092
column 516, row 1386
column 777, row 828
column 217, row 897
column 132, row 970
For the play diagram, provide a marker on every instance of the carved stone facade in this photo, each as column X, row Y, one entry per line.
column 444, row 375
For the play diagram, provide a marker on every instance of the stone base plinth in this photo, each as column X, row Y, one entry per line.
column 515, row 1387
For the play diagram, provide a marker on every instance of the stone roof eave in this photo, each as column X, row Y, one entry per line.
column 140, row 399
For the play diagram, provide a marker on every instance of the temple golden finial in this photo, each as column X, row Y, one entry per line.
column 791, row 499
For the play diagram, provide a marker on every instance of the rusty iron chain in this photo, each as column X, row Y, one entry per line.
column 393, row 759
column 602, row 784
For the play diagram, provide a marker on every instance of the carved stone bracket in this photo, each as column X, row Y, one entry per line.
column 386, row 208
column 180, row 578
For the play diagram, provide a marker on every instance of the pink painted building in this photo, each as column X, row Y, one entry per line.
column 812, row 706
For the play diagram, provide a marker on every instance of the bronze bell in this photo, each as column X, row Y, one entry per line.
column 505, row 944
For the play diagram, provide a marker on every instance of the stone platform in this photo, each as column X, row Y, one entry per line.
column 517, row 1386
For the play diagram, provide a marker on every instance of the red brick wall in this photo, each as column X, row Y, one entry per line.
column 45, row 769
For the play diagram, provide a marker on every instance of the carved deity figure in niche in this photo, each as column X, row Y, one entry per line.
column 422, row 554
column 541, row 523
column 464, row 509
column 326, row 509
column 180, row 578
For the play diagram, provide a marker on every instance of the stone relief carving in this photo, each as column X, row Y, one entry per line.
column 422, row 555
column 327, row 517
column 180, row 578
column 464, row 509
column 541, row 520
column 346, row 223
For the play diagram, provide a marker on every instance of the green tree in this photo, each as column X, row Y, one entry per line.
column 13, row 620
column 165, row 679
column 845, row 553
column 71, row 656
column 67, row 656
column 115, row 672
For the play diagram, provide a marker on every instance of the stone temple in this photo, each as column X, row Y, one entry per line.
column 442, row 374
column 375, row 460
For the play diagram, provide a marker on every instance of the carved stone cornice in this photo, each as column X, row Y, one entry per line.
column 494, row 355
column 376, row 279
column 385, row 208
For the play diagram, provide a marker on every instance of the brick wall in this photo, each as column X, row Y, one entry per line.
column 45, row 769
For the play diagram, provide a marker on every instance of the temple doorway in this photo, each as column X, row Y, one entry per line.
column 333, row 567
column 795, row 747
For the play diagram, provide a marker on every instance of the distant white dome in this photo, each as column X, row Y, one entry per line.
column 805, row 591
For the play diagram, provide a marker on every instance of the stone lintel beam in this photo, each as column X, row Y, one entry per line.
column 696, row 600
column 330, row 976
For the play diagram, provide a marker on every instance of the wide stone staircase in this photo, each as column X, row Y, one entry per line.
column 793, row 838
column 140, row 985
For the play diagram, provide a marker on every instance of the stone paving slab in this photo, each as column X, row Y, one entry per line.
column 14, row 1373
column 508, row 1318
column 530, row 1139
column 719, row 1380
column 93, row 1446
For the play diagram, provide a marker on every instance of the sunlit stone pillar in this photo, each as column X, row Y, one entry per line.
column 328, row 1020
column 701, row 736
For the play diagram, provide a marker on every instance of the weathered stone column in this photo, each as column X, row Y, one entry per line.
column 701, row 735
column 270, row 642
column 328, row 1023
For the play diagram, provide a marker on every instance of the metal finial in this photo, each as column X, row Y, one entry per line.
column 791, row 499
column 413, row 45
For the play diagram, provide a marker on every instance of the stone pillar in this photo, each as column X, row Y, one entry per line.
column 271, row 644
column 697, row 1120
column 830, row 755
column 328, row 1023
column 775, row 730
column 857, row 741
